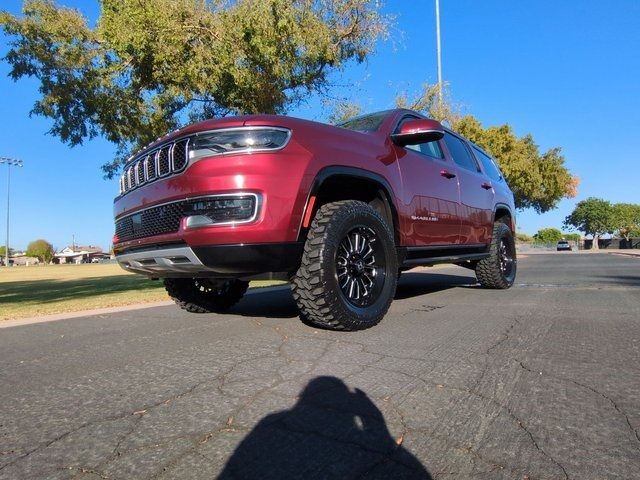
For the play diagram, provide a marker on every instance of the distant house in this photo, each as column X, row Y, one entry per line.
column 79, row 254
column 20, row 258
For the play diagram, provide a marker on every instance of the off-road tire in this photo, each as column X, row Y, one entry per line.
column 498, row 270
column 324, row 297
column 201, row 295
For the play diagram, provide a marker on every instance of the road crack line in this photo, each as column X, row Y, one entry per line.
column 633, row 431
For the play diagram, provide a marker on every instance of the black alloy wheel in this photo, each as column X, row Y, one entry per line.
column 360, row 266
column 204, row 295
column 498, row 270
column 506, row 258
column 348, row 273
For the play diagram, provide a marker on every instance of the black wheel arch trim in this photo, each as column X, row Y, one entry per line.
column 333, row 171
column 500, row 206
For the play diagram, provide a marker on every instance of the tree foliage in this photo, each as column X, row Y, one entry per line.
column 343, row 111
column 573, row 237
column 626, row 218
column 523, row 237
column 428, row 102
column 3, row 251
column 40, row 249
column 593, row 216
column 151, row 65
column 548, row 235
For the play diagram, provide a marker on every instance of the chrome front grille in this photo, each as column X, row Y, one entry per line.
column 167, row 159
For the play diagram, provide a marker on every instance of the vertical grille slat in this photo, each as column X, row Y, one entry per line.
column 150, row 167
column 130, row 178
column 164, row 166
column 179, row 155
column 139, row 173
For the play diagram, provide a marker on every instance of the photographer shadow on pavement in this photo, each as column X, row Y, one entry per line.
column 330, row 433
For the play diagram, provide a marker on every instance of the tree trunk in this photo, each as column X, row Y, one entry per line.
column 594, row 245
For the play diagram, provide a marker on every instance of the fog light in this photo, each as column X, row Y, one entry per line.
column 221, row 210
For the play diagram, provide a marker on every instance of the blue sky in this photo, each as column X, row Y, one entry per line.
column 567, row 72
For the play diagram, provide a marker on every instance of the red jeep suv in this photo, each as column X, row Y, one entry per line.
column 337, row 210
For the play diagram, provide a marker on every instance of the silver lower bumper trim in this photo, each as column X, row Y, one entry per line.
column 162, row 262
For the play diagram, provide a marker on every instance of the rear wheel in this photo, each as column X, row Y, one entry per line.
column 348, row 274
column 203, row 295
column 498, row 270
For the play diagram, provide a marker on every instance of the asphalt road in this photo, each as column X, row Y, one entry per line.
column 540, row 381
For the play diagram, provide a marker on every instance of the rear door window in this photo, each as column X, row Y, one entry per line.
column 460, row 153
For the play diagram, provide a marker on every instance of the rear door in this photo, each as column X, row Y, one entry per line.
column 475, row 209
column 429, row 195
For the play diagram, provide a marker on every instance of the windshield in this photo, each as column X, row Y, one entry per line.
column 365, row 123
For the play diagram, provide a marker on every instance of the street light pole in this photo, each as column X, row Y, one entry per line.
column 439, row 52
column 15, row 163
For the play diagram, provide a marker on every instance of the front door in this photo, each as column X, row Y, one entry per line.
column 429, row 196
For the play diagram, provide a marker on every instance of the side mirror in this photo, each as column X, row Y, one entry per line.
column 413, row 132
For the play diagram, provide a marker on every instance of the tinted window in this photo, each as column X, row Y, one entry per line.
column 366, row 123
column 489, row 165
column 459, row 152
column 431, row 149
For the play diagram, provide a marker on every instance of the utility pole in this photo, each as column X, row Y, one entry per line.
column 11, row 162
column 439, row 53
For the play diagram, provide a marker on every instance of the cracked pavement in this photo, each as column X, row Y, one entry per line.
column 538, row 382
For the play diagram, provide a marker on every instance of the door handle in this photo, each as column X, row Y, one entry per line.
column 487, row 185
column 447, row 174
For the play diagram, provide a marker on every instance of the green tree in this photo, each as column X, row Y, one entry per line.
column 626, row 219
column 40, row 249
column 428, row 102
column 593, row 216
column 343, row 111
column 523, row 237
column 3, row 251
column 149, row 65
column 572, row 237
column 538, row 180
column 548, row 235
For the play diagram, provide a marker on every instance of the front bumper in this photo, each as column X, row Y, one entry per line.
column 215, row 261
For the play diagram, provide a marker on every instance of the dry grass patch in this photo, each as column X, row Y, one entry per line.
column 43, row 290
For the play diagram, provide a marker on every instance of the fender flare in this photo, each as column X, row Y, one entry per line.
column 330, row 172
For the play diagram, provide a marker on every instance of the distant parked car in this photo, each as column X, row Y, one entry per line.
column 563, row 245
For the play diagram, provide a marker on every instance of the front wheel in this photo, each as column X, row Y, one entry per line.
column 349, row 269
column 498, row 270
column 203, row 295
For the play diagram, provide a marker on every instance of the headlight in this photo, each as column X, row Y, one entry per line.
column 237, row 140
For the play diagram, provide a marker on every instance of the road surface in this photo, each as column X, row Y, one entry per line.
column 540, row 381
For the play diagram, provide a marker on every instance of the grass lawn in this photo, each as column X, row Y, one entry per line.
column 42, row 290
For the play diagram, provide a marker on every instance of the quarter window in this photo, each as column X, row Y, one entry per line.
column 460, row 152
